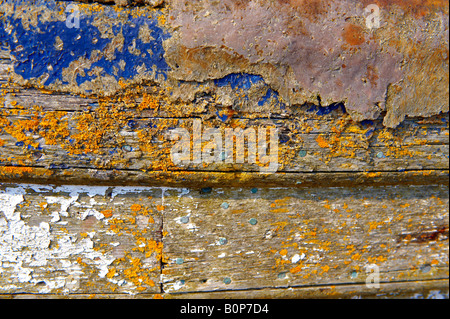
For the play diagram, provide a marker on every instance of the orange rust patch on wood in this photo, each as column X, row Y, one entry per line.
column 418, row 8
column 353, row 34
column 425, row 236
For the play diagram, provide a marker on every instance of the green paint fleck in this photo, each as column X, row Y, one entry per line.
column 302, row 153
column 179, row 261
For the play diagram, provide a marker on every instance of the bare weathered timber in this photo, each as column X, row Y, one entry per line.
column 92, row 204
column 75, row 239
column 131, row 135
column 374, row 56
column 283, row 242
column 266, row 238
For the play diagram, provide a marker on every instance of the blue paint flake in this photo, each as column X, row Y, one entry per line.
column 239, row 80
column 222, row 116
column 324, row 110
column 36, row 54
column 244, row 81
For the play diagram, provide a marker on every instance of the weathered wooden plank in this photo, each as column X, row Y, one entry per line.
column 436, row 289
column 76, row 239
column 198, row 180
column 231, row 239
column 427, row 289
column 92, row 140
column 103, row 240
column 94, row 104
column 277, row 62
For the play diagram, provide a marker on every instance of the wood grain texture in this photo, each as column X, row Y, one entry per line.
column 92, row 204
column 130, row 134
column 77, row 239
column 243, row 239
column 434, row 289
column 258, row 242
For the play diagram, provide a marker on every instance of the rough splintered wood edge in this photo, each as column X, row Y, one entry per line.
column 427, row 289
column 333, row 145
column 79, row 176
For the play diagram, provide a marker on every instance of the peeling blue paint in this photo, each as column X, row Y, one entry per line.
column 239, row 80
column 324, row 110
column 223, row 116
column 244, row 81
column 36, row 54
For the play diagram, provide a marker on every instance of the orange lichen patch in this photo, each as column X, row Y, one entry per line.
column 374, row 225
column 325, row 268
column 132, row 266
column 53, row 128
column 160, row 208
column 353, row 34
column 111, row 273
column 107, row 213
column 138, row 275
column 11, row 170
column 322, row 142
column 434, row 262
column 356, row 257
column 372, row 174
column 158, row 296
column 279, row 210
column 136, row 207
column 148, row 102
column 283, row 252
column 375, row 260
column 296, row 269
column 280, row 225
column 93, row 128
column 395, row 145
column 81, row 262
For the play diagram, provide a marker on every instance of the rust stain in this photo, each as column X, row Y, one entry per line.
column 418, row 8
column 425, row 236
column 353, row 34
column 311, row 9
column 372, row 75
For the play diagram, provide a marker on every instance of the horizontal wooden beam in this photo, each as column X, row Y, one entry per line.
column 230, row 241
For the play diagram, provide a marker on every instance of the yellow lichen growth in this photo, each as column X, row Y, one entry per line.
column 296, row 269
column 11, row 170
column 322, row 142
column 148, row 102
column 107, row 213
column 136, row 207
column 325, row 268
